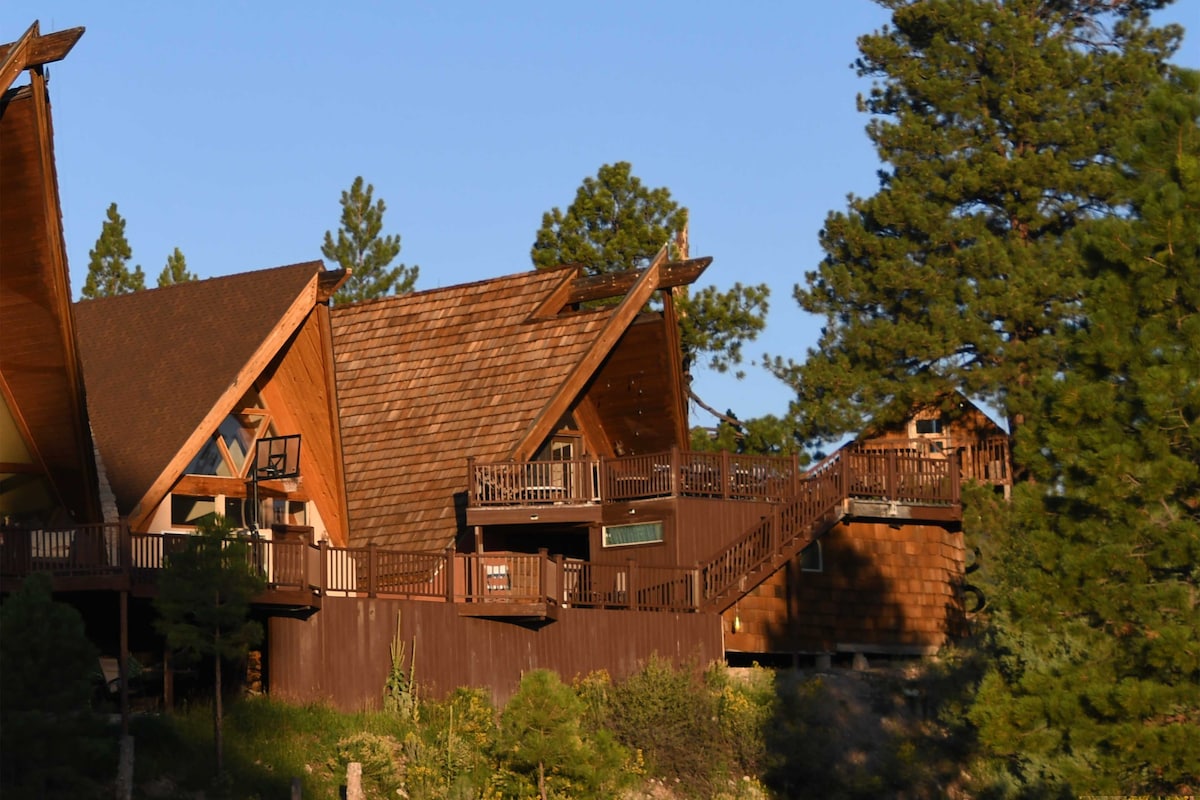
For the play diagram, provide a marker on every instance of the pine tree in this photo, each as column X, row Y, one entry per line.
column 997, row 123
column 108, row 271
column 203, row 605
column 1097, row 580
column 617, row 224
column 175, row 271
column 361, row 249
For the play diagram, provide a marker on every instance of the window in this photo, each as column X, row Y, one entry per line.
column 189, row 510
column 639, row 533
column 928, row 427
column 231, row 448
column 812, row 559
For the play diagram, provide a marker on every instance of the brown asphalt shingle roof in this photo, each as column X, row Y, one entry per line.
column 155, row 363
column 425, row 380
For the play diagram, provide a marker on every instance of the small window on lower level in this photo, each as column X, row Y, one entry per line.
column 191, row 510
column 639, row 533
column 811, row 558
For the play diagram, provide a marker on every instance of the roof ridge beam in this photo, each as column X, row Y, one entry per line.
column 33, row 50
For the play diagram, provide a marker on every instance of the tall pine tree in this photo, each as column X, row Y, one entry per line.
column 108, row 265
column 997, row 123
column 616, row 223
column 175, row 271
column 362, row 249
column 1096, row 689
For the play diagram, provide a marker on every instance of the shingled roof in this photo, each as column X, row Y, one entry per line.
column 158, row 363
column 427, row 379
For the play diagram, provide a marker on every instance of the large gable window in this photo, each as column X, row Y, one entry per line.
column 230, row 450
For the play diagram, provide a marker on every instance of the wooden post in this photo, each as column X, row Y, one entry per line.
column 125, row 545
column 450, row 574
column 955, row 478
column 890, row 480
column 354, row 789
column 470, row 481
column 323, row 554
column 560, row 591
column 726, row 477
column 631, row 585
column 543, row 593
column 697, row 597
column 675, row 467
column 372, row 569
column 123, row 663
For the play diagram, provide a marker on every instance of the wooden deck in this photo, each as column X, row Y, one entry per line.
column 853, row 482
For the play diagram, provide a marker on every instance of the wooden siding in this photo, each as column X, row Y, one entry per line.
column 39, row 367
column 340, row 655
column 299, row 392
column 883, row 589
column 632, row 392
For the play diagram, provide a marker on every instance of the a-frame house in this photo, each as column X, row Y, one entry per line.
column 186, row 382
column 47, row 469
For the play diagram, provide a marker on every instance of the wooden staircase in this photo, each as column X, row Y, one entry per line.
column 849, row 481
column 738, row 568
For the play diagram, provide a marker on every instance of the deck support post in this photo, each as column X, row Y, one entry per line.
column 372, row 569
column 450, row 574
column 631, row 585
column 675, row 467
column 123, row 662
column 323, row 574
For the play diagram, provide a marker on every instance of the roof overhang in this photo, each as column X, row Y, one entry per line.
column 34, row 50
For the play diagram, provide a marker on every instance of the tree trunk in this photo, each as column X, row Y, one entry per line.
column 542, row 780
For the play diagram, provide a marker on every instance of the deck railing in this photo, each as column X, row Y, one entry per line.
column 666, row 474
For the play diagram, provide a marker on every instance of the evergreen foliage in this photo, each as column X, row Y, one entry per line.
column 203, row 604
column 108, row 262
column 1096, row 687
column 362, row 249
column 616, row 224
column 999, row 125
column 541, row 740
column 47, row 664
column 175, row 271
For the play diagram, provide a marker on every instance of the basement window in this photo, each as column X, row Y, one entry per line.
column 812, row 559
column 639, row 533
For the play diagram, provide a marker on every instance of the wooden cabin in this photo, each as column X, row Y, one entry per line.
column 878, row 582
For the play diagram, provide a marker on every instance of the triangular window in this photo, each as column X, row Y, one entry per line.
column 229, row 452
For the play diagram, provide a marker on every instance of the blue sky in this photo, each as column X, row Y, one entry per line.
column 229, row 130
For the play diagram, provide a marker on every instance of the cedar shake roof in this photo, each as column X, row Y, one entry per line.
column 157, row 362
column 427, row 379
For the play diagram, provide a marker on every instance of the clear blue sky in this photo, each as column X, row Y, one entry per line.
column 230, row 129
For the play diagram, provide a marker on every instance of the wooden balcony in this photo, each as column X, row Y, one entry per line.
column 573, row 491
column 898, row 472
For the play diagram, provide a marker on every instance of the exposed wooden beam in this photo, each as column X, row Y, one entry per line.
column 615, row 284
column 329, row 281
column 560, row 296
column 647, row 282
column 33, row 50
